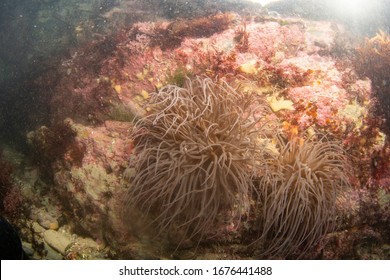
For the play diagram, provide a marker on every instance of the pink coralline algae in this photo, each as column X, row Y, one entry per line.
column 266, row 39
column 325, row 98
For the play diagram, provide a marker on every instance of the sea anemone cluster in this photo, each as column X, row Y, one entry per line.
column 205, row 159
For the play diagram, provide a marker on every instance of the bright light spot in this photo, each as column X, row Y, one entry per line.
column 351, row 7
column 264, row 2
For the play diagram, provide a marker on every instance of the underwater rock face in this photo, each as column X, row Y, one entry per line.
column 56, row 240
column 90, row 191
column 290, row 64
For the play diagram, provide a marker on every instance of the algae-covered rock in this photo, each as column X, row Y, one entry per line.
column 89, row 191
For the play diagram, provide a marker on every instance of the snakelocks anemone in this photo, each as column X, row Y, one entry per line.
column 298, row 194
column 196, row 153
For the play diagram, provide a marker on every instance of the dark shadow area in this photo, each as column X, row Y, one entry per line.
column 34, row 37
